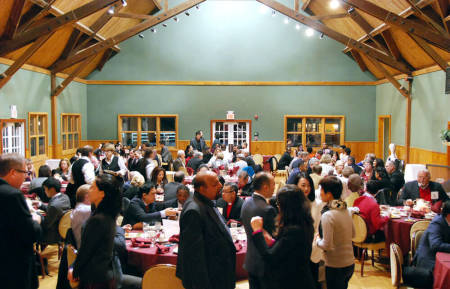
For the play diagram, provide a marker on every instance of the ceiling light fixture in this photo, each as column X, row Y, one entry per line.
column 141, row 36
column 124, row 3
column 164, row 25
column 334, row 4
column 309, row 32
column 273, row 13
column 153, row 30
column 187, row 13
column 111, row 10
column 176, row 19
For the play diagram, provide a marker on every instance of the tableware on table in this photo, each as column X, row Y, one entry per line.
column 157, row 226
column 132, row 235
column 152, row 236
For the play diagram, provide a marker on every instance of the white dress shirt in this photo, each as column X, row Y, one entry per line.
column 88, row 172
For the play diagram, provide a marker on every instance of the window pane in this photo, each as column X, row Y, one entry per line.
column 75, row 123
column 64, row 142
column 148, row 124
column 76, row 140
column 148, row 137
column 42, row 145
column 129, row 138
column 167, row 124
column 129, row 124
column 295, row 138
column 332, row 125
column 169, row 138
column 333, row 140
column 294, row 124
column 313, row 124
column 69, row 124
column 33, row 146
column 64, row 128
column 41, row 124
column 313, row 139
column 32, row 127
column 219, row 126
column 70, row 141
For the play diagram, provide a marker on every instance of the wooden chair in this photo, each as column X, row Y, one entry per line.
column 415, row 241
column 419, row 226
column 396, row 265
column 161, row 276
column 71, row 256
column 360, row 237
column 258, row 159
column 63, row 226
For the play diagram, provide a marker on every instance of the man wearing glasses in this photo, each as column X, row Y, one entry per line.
column 20, row 229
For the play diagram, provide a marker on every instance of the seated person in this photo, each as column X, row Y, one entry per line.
column 137, row 180
column 57, row 206
column 435, row 239
column 171, row 189
column 425, row 189
column 181, row 196
column 316, row 175
column 120, row 264
column 230, row 203
column 370, row 212
column 396, row 177
column 142, row 208
column 285, row 159
column 298, row 166
column 196, row 161
column 354, row 185
column 245, row 185
column 81, row 213
column 240, row 162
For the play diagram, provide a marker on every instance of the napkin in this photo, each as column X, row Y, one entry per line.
column 174, row 238
column 238, row 246
column 161, row 249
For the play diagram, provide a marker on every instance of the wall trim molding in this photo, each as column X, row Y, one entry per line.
column 231, row 83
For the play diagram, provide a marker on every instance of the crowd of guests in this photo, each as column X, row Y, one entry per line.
column 291, row 233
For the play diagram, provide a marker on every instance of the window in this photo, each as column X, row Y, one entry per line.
column 313, row 130
column 70, row 131
column 13, row 136
column 231, row 132
column 137, row 129
column 38, row 133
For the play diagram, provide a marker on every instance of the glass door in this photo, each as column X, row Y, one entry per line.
column 13, row 136
column 231, row 132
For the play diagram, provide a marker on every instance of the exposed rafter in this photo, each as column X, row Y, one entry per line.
column 442, row 8
column 44, row 12
column 6, row 76
column 71, row 43
column 133, row 16
column 53, row 24
column 331, row 16
column 108, row 43
column 430, row 51
column 106, row 56
column 361, row 47
column 419, row 13
column 438, row 39
column 359, row 60
column 72, row 76
column 14, row 19
column 390, row 42
column 306, row 4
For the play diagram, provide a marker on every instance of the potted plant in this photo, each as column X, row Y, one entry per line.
column 445, row 136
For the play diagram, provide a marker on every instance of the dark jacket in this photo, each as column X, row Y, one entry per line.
column 94, row 262
column 288, row 259
column 137, row 212
column 132, row 164
column 206, row 254
column 178, row 164
column 56, row 208
column 285, row 160
column 194, row 163
column 357, row 169
column 198, row 145
column 131, row 192
column 411, row 191
column 166, row 156
column 398, row 180
column 170, row 190
column 256, row 206
column 19, row 232
column 235, row 213
column 247, row 190
column 435, row 239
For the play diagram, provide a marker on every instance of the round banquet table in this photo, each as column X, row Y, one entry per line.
column 144, row 258
column 397, row 231
column 442, row 271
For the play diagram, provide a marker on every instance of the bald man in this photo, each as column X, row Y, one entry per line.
column 206, row 253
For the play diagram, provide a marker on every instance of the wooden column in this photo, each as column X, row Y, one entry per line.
column 408, row 122
column 54, row 116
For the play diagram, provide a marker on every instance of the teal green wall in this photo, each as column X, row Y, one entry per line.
column 430, row 111
column 30, row 92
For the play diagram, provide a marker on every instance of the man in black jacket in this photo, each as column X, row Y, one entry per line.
column 20, row 229
column 198, row 143
column 257, row 205
column 230, row 202
column 397, row 178
column 196, row 161
column 245, row 186
column 58, row 205
column 170, row 189
column 182, row 196
column 206, row 254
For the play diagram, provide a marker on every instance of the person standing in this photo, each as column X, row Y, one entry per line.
column 81, row 172
column 257, row 205
column 20, row 228
column 198, row 143
column 206, row 253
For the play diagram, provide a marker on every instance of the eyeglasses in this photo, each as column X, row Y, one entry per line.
column 21, row 171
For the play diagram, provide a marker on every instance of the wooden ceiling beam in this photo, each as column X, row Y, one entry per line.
column 105, row 58
column 390, row 42
column 305, row 4
column 326, row 17
column 133, row 16
column 419, row 13
column 430, row 51
column 361, row 47
column 78, row 25
column 13, row 20
column 383, row 27
column 440, row 40
column 72, row 76
column 297, row 5
column 44, row 12
column 6, row 76
column 442, row 8
column 53, row 24
column 71, row 43
column 403, row 91
column 357, row 57
column 108, row 43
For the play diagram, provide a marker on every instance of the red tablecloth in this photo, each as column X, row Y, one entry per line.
column 442, row 271
column 266, row 164
column 144, row 258
column 397, row 231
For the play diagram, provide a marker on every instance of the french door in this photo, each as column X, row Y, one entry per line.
column 231, row 132
column 13, row 136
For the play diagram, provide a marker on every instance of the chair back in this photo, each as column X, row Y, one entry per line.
column 169, row 177
column 71, row 256
column 64, row 224
column 396, row 264
column 161, row 276
column 155, row 163
column 383, row 196
column 274, row 164
column 258, row 159
column 360, row 229
column 418, row 226
column 415, row 241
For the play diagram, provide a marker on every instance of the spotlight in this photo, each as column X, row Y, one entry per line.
column 187, row 13
column 286, row 20
column 164, row 25
column 176, row 19
column 124, row 3
column 197, row 6
column 153, row 30
column 141, row 36
column 309, row 32
column 297, row 26
column 321, row 36
column 273, row 13
column 111, row 10
column 334, row 4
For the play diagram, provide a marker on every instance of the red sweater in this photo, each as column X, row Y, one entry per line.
column 370, row 212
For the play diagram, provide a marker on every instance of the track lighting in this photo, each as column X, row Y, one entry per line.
column 124, row 3
column 309, row 32
column 111, row 10
column 187, row 13
column 153, row 30
column 164, row 25
column 141, row 36
column 176, row 19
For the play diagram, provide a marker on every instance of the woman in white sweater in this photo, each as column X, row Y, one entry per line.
column 336, row 232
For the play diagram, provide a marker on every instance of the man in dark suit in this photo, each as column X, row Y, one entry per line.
column 397, row 178
column 351, row 163
column 245, row 186
column 425, row 189
column 170, row 189
column 230, row 203
column 166, row 156
column 20, row 228
column 142, row 208
column 257, row 205
column 133, row 160
column 206, row 254
column 58, row 205
column 180, row 161
column 196, row 161
column 182, row 195
column 198, row 143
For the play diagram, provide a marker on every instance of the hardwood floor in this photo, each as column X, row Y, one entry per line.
column 377, row 277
